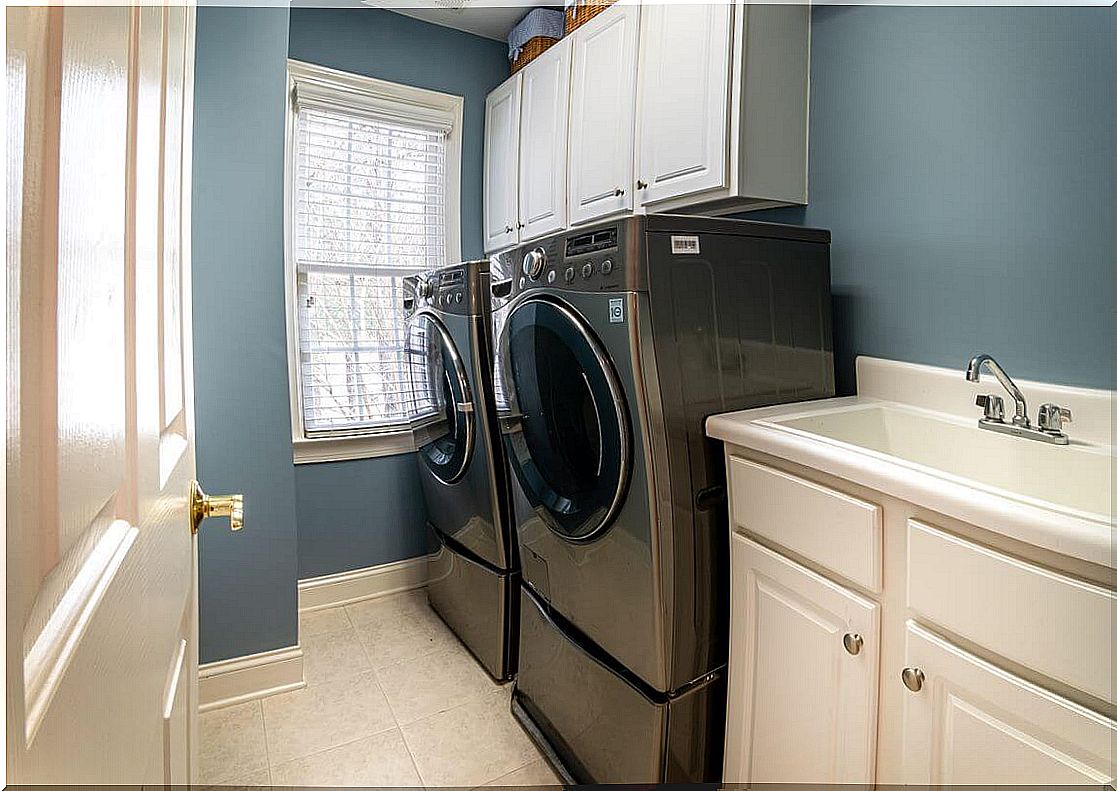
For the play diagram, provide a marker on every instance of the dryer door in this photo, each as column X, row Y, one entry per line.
column 445, row 422
column 569, row 438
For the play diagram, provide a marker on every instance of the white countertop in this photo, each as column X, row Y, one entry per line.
column 946, row 396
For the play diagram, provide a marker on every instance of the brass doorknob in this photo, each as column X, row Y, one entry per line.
column 203, row 505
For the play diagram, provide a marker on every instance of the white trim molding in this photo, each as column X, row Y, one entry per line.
column 367, row 446
column 318, row 593
column 251, row 677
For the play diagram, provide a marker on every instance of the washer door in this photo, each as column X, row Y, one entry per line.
column 569, row 441
column 444, row 401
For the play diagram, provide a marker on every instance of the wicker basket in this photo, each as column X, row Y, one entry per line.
column 532, row 50
column 580, row 12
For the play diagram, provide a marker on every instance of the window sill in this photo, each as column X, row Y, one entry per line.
column 327, row 449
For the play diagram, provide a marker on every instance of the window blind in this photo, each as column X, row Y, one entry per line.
column 370, row 198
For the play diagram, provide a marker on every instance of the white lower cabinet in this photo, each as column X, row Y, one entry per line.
column 970, row 722
column 803, row 675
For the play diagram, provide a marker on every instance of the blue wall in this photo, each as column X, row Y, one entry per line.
column 964, row 160
column 362, row 513
column 247, row 579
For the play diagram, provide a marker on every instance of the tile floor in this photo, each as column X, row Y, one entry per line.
column 392, row 699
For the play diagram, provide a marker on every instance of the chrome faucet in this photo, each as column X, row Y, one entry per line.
column 1051, row 416
column 973, row 374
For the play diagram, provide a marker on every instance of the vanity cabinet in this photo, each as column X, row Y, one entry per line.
column 804, row 676
column 969, row 722
column 681, row 108
column 602, row 114
column 980, row 660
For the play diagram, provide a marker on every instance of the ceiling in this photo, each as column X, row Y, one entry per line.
column 489, row 18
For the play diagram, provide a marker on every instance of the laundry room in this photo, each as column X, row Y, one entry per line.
column 616, row 392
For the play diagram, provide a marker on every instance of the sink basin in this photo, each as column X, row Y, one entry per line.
column 1074, row 479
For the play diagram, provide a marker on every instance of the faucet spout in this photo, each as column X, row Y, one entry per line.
column 973, row 374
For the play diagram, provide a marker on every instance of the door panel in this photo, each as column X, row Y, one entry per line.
column 502, row 132
column 100, row 641
column 802, row 708
column 685, row 52
column 543, row 117
column 603, row 114
column 973, row 723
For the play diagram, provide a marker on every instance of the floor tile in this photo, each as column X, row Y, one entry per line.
column 231, row 743
column 324, row 715
column 381, row 760
column 333, row 656
column 417, row 688
column 316, row 622
column 398, row 628
column 469, row 745
column 536, row 773
column 257, row 779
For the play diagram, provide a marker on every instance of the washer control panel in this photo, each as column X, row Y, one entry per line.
column 461, row 288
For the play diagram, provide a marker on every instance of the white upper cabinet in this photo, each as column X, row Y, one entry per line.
column 502, row 151
column 602, row 114
column 803, row 674
column 543, row 115
column 683, row 104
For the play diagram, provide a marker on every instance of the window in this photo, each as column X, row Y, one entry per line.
column 372, row 191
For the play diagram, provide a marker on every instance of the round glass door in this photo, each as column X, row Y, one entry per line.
column 443, row 401
column 569, row 443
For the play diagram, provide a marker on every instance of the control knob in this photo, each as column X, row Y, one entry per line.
column 424, row 289
column 534, row 262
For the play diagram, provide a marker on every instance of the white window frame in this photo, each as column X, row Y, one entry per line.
column 306, row 450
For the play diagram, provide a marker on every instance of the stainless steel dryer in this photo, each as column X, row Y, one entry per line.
column 614, row 342
column 474, row 578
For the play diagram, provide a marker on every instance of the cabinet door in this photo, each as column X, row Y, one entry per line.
column 543, row 114
column 682, row 120
column 502, row 132
column 973, row 723
column 602, row 114
column 803, row 665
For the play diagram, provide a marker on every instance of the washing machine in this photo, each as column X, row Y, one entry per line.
column 614, row 343
column 473, row 581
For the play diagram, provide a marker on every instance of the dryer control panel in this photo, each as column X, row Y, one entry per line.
column 461, row 289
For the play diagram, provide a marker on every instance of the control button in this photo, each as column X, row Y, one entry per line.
column 551, row 276
column 607, row 266
column 568, row 275
column 522, row 282
column 587, row 271
column 458, row 297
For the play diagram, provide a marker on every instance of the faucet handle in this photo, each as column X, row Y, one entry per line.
column 993, row 405
column 1052, row 417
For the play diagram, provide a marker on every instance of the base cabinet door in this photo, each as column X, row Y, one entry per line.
column 966, row 721
column 502, row 147
column 683, row 106
column 544, row 102
column 602, row 114
column 803, row 673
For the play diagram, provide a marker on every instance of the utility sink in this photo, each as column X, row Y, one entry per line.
column 1075, row 479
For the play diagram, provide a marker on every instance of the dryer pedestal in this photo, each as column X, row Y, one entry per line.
column 476, row 602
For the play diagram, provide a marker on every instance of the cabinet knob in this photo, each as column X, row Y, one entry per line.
column 912, row 678
column 852, row 643
column 641, row 185
column 618, row 192
column 520, row 225
column 508, row 229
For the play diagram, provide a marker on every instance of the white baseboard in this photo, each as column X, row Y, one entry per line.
column 245, row 678
column 318, row 593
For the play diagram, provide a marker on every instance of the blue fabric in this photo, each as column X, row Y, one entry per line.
column 539, row 22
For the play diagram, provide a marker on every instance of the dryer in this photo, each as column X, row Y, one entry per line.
column 473, row 570
column 613, row 343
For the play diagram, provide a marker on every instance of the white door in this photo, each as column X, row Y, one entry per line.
column 543, row 114
column 101, row 625
column 603, row 114
column 969, row 722
column 683, row 109
column 803, row 669
column 502, row 144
